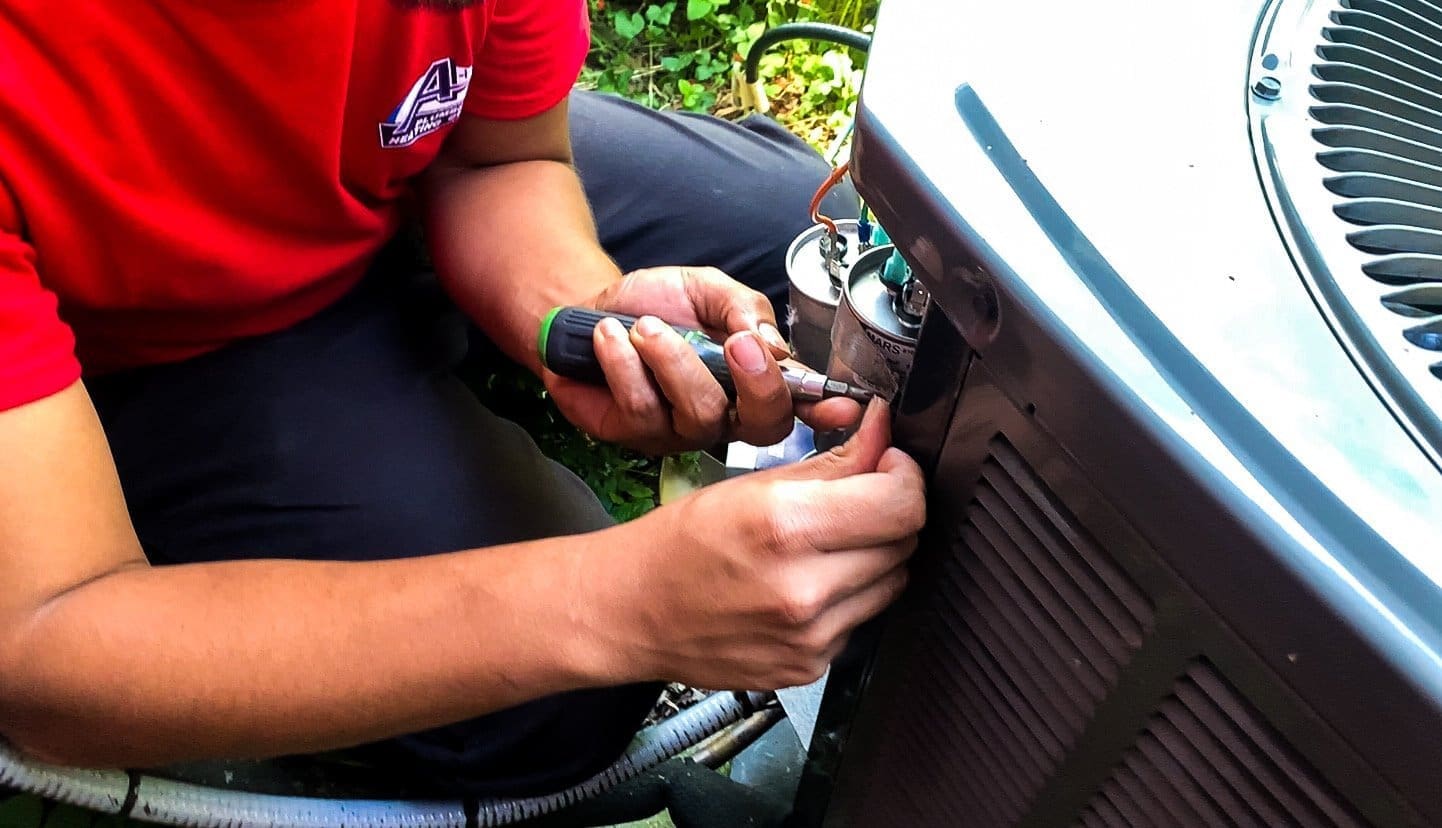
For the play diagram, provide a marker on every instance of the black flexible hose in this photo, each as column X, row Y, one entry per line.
column 796, row 31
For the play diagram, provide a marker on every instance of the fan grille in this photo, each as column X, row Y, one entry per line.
column 1378, row 108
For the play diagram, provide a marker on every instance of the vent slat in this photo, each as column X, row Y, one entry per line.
column 1422, row 301
column 1072, row 660
column 1427, row 336
column 947, row 749
column 1339, row 57
column 960, row 749
column 1109, row 814
column 1001, row 726
column 1214, row 755
column 1221, row 719
column 1144, row 800
column 1002, row 788
column 1371, row 211
column 1356, row 116
column 1378, row 163
column 1265, row 737
column 1381, row 142
column 1006, row 674
column 1037, row 584
column 1361, row 96
column 1208, row 758
column 1405, row 269
column 1177, row 778
column 1119, row 800
column 1383, row 27
column 1120, row 586
column 1029, row 699
column 1005, row 703
column 1381, row 82
column 1378, row 44
column 1412, row 13
column 1071, row 594
column 1062, row 665
column 1391, row 238
column 1021, row 661
column 1367, row 185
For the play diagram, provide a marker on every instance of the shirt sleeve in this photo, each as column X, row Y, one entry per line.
column 37, row 349
column 530, row 58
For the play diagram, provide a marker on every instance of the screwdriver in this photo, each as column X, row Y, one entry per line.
column 566, row 347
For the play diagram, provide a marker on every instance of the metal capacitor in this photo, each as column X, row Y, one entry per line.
column 873, row 337
column 815, row 291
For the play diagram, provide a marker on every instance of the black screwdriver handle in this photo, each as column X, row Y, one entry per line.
column 567, row 348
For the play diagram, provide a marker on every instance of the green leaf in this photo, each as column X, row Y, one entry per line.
column 638, row 490
column 660, row 15
column 21, row 811
column 628, row 25
column 697, row 9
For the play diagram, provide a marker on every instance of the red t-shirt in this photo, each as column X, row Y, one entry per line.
column 177, row 174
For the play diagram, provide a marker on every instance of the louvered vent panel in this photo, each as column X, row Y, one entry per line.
column 1379, row 102
column 1025, row 631
column 1207, row 757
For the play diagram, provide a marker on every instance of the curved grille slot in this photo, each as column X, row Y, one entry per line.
column 1416, row 15
column 1384, row 211
column 1427, row 336
column 1425, row 301
column 1405, row 269
column 1347, row 93
column 1365, row 185
column 1363, row 160
column 1356, row 116
column 1375, row 211
column 1349, row 59
column 1395, row 239
column 1363, row 40
column 1379, row 106
column 1382, row 27
column 1346, row 73
column 1379, row 142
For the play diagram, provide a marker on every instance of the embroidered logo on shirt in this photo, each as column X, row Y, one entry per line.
column 434, row 101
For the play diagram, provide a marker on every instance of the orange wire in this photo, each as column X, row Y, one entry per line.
column 831, row 181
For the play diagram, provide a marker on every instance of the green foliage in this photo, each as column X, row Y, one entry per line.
column 681, row 54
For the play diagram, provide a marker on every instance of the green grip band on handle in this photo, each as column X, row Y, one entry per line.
column 545, row 333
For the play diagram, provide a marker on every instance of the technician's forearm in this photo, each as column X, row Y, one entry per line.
column 258, row 658
column 511, row 242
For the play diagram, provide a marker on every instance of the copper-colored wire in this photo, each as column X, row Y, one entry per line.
column 831, row 181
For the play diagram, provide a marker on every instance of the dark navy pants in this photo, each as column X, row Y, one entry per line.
column 350, row 436
column 680, row 188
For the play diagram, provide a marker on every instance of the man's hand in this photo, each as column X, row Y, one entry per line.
column 757, row 582
column 660, row 397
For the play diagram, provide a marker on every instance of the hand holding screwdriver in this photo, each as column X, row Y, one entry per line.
column 649, row 388
column 566, row 345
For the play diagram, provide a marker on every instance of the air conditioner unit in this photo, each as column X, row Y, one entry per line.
column 1179, row 397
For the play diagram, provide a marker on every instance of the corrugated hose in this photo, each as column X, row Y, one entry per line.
column 168, row 802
